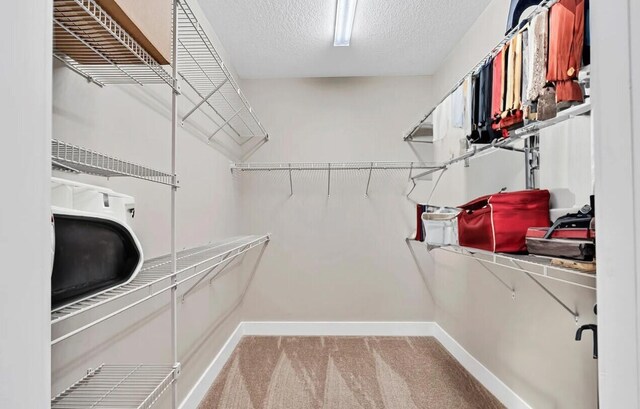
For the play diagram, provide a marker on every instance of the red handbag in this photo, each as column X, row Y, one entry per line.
column 499, row 222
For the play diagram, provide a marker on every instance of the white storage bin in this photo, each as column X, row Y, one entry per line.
column 83, row 197
column 441, row 226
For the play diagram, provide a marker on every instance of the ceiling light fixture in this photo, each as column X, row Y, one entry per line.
column 345, row 13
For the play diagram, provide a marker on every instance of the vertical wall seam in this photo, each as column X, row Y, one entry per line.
column 634, row 193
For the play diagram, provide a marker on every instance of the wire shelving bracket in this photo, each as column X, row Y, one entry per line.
column 531, row 266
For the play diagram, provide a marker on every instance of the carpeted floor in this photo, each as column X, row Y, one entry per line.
column 345, row 373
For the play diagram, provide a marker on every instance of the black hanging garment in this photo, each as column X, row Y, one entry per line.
column 516, row 9
column 482, row 132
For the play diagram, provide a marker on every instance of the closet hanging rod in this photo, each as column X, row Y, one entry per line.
column 334, row 166
column 545, row 4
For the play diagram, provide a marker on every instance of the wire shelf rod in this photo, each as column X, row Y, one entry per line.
column 333, row 166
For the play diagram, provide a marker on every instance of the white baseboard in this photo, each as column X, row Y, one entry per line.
column 342, row 328
column 200, row 389
column 417, row 329
column 498, row 388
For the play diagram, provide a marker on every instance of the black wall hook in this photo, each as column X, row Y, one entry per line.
column 589, row 327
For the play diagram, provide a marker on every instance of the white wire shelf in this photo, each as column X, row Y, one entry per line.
column 202, row 69
column 530, row 264
column 92, row 44
column 117, row 386
column 198, row 261
column 515, row 136
column 66, row 157
column 337, row 166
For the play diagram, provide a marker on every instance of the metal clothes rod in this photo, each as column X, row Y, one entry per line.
column 333, row 166
column 544, row 4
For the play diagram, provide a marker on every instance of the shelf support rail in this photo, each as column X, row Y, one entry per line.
column 186, row 81
column 226, row 122
column 84, row 75
column 518, row 267
column 574, row 314
column 463, row 253
column 194, row 285
column 201, row 69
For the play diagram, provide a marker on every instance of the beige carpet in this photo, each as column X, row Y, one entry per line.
column 344, row 373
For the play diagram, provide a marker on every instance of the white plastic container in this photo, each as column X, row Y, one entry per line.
column 441, row 227
column 99, row 200
column 95, row 246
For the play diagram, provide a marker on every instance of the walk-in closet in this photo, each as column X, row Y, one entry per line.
column 255, row 204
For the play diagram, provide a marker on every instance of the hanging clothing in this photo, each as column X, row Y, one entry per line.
column 485, row 98
column 536, row 66
column 442, row 120
column 497, row 93
column 566, row 41
column 457, row 107
column 511, row 116
column 526, row 72
column 483, row 110
column 513, row 93
column 516, row 9
column 467, row 91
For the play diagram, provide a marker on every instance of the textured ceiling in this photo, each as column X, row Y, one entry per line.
column 294, row 38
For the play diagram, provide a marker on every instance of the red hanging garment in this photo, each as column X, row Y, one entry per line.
column 566, row 39
column 497, row 91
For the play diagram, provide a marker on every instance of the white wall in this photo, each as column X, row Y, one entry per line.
column 343, row 257
column 527, row 342
column 134, row 123
column 616, row 112
column 25, row 236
